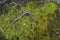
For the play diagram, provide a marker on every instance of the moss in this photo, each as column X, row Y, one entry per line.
column 25, row 29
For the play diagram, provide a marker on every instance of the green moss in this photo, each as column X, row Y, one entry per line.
column 34, row 8
column 25, row 29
